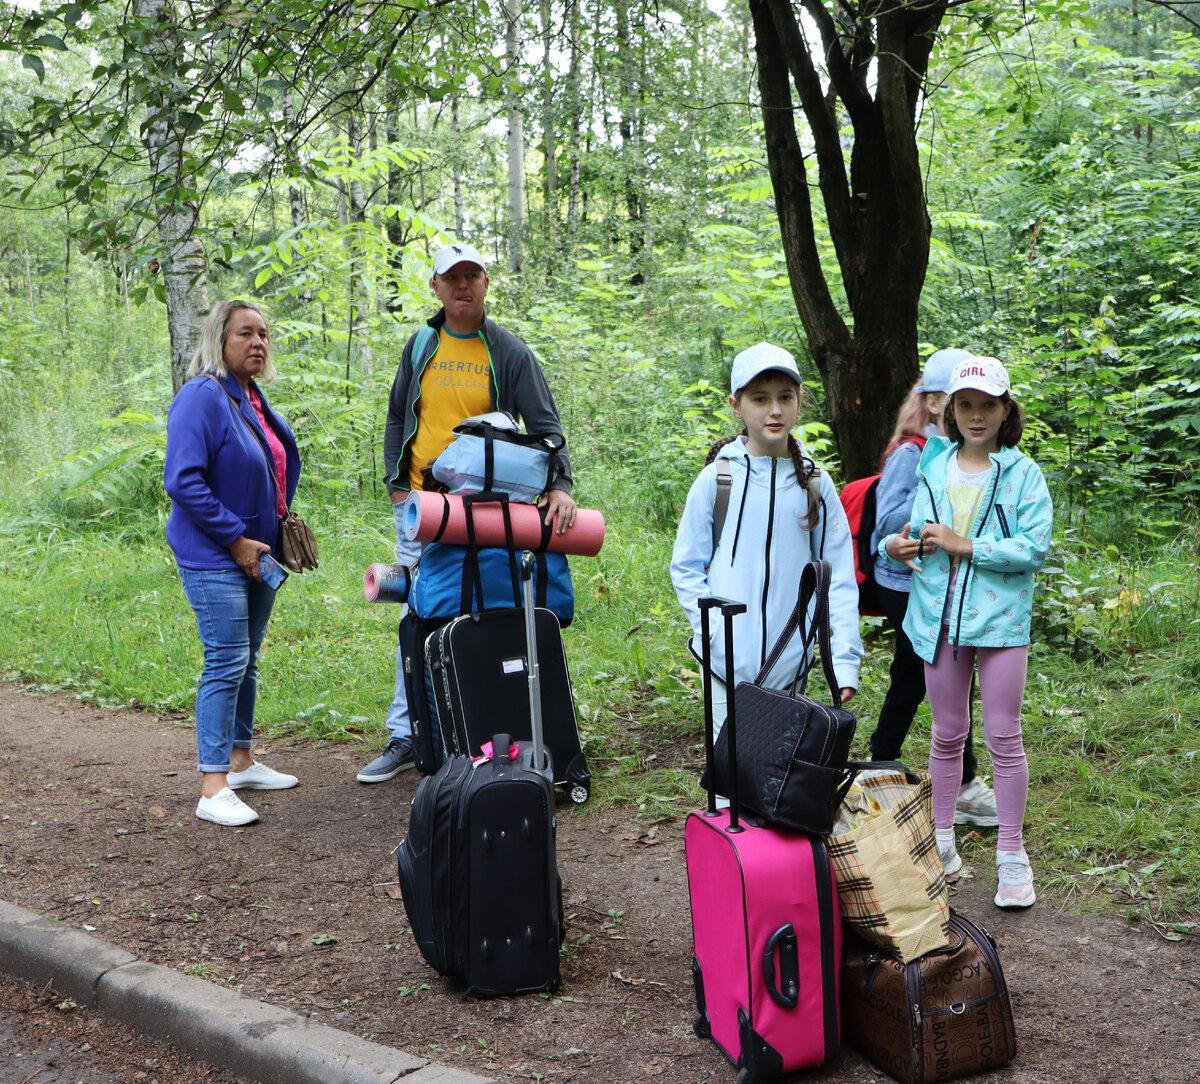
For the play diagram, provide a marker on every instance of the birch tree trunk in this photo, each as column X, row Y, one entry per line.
column 295, row 195
column 549, row 141
column 574, row 122
column 356, row 286
column 516, row 138
column 296, row 209
column 631, row 146
column 460, row 214
column 183, row 265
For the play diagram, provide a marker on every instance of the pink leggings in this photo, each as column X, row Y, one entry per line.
column 1001, row 688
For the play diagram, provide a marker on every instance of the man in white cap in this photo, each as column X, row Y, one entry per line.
column 465, row 366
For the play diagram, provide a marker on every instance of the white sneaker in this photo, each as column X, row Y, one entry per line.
column 951, row 862
column 225, row 808
column 260, row 777
column 1015, row 876
column 976, row 805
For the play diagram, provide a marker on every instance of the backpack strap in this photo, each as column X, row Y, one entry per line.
column 423, row 336
column 721, row 504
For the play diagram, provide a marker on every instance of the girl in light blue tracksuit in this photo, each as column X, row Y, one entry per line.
column 782, row 513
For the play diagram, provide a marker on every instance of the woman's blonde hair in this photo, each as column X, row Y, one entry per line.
column 911, row 422
column 210, row 354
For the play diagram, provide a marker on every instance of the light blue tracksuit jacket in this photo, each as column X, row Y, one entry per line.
column 993, row 594
column 758, row 560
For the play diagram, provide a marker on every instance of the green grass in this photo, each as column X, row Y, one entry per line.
column 1111, row 717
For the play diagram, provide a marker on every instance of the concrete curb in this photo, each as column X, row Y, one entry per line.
column 248, row 1037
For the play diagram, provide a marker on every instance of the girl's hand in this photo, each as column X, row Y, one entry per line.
column 907, row 550
column 848, row 695
column 940, row 536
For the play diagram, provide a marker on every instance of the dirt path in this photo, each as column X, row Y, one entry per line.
column 97, row 829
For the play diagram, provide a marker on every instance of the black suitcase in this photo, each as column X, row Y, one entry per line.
column 478, row 870
column 427, row 745
column 480, row 672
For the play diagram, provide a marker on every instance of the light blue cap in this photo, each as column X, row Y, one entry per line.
column 939, row 368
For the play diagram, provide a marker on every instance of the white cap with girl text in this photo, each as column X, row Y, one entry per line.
column 984, row 374
column 455, row 254
column 759, row 359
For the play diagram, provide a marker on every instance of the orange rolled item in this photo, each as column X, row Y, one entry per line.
column 442, row 517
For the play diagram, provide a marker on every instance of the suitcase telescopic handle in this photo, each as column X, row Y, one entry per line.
column 729, row 610
column 535, row 687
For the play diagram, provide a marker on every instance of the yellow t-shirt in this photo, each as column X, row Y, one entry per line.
column 456, row 384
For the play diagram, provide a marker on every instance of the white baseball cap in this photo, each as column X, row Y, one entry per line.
column 455, row 254
column 984, row 374
column 759, row 359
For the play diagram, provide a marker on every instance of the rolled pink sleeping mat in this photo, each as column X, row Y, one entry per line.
column 441, row 517
column 386, row 583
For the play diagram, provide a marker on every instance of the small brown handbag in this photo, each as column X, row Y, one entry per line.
column 944, row 1015
column 297, row 544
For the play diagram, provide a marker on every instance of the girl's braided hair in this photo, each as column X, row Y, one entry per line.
column 806, row 471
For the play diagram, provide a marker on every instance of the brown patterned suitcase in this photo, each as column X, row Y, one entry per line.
column 940, row 1016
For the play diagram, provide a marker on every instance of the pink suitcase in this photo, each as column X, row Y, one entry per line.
column 765, row 925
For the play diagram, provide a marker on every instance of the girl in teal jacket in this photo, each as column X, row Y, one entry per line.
column 980, row 529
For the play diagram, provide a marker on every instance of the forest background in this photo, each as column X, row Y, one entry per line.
column 609, row 159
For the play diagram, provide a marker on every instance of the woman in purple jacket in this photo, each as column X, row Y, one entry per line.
column 231, row 470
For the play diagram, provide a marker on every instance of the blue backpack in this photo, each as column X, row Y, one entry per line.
column 452, row 580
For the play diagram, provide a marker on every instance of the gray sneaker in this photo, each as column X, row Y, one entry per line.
column 976, row 805
column 390, row 763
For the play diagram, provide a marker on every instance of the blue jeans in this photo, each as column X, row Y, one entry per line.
column 232, row 611
column 399, row 721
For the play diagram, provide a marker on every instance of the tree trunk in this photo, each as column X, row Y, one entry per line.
column 516, row 138
column 631, row 145
column 358, row 304
column 295, row 194
column 549, row 142
column 393, row 226
column 29, row 277
column 876, row 64
column 297, row 213
column 575, row 122
column 66, row 284
column 183, row 265
column 460, row 214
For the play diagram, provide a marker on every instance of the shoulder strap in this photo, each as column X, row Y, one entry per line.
column 721, row 504
column 814, row 584
column 423, row 336
column 814, row 485
column 263, row 447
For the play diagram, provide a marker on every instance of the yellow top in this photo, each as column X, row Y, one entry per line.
column 455, row 385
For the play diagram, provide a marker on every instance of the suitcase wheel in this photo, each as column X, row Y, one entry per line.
column 579, row 793
column 701, row 1026
column 744, row 1076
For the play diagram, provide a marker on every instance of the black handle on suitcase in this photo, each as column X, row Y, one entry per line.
column 728, row 611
